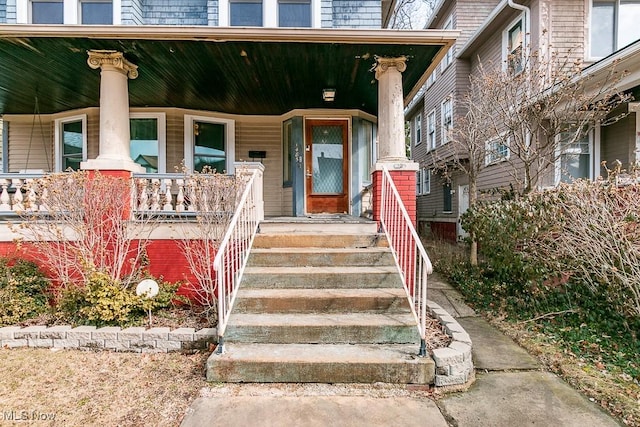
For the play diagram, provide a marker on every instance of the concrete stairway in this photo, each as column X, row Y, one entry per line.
column 321, row 302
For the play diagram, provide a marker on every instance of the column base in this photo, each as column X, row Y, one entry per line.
column 112, row 164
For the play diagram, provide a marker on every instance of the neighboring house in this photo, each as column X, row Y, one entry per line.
column 160, row 85
column 598, row 33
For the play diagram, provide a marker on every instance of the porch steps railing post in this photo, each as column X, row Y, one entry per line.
column 409, row 253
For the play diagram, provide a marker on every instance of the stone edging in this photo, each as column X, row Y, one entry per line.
column 454, row 364
column 134, row 339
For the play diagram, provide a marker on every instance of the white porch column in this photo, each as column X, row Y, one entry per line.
column 114, row 111
column 391, row 148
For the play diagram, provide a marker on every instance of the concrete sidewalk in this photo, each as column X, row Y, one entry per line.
column 510, row 390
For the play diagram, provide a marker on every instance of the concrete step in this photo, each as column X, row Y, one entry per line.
column 380, row 300
column 329, row 328
column 318, row 363
column 319, row 225
column 321, row 277
column 319, row 240
column 320, row 257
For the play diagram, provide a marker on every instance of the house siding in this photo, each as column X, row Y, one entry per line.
column 175, row 12
column 567, row 26
column 3, row 11
column 131, row 12
column 265, row 134
column 356, row 14
column 31, row 145
column 10, row 11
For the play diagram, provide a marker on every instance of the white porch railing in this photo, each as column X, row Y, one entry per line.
column 410, row 256
column 14, row 199
column 167, row 194
column 233, row 252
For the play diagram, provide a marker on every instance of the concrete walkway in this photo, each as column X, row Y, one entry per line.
column 510, row 390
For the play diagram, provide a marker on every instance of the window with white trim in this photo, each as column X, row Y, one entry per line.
column 497, row 150
column 448, row 58
column 431, row 79
column 417, row 129
column 574, row 156
column 91, row 12
column 513, row 44
column 614, row 24
column 46, row 12
column 210, row 143
column 446, row 120
column 431, row 130
column 70, row 142
column 423, row 182
column 294, row 13
column 245, row 13
column 147, row 145
column 96, row 12
column 270, row 13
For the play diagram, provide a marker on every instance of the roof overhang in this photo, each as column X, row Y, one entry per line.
column 258, row 71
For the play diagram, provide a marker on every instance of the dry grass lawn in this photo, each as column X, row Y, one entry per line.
column 82, row 388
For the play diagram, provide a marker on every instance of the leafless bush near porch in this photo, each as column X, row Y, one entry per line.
column 596, row 238
column 82, row 226
column 217, row 196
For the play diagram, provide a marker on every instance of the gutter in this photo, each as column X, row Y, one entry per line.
column 226, row 34
column 527, row 24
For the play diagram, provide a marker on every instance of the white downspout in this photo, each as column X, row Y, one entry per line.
column 527, row 25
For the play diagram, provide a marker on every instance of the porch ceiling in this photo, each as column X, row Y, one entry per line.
column 245, row 71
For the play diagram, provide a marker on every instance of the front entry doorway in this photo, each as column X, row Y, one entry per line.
column 326, row 166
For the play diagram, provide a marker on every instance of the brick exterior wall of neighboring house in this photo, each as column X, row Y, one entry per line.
column 356, row 14
column 175, row 12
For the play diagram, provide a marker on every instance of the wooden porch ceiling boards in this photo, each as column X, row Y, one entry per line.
column 240, row 76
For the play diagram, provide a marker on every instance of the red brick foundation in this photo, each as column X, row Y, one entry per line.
column 405, row 182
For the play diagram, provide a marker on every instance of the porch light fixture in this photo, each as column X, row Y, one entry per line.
column 328, row 95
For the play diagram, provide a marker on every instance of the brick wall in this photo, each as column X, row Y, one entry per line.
column 175, row 12
column 405, row 182
column 165, row 260
column 357, row 14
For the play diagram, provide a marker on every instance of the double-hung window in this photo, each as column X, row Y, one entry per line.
column 614, row 24
column 96, row 12
column 71, row 142
column 448, row 58
column 245, row 13
column 46, row 12
column 496, row 150
column 574, row 156
column 210, row 144
column 294, row 13
column 423, row 182
column 446, row 119
column 431, row 130
column 417, row 129
column 513, row 46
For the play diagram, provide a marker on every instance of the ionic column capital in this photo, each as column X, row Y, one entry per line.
column 112, row 59
column 383, row 64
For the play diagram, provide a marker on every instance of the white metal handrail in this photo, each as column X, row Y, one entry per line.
column 233, row 252
column 409, row 253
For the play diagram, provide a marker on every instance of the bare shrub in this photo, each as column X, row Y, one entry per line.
column 596, row 239
column 80, row 224
column 215, row 196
